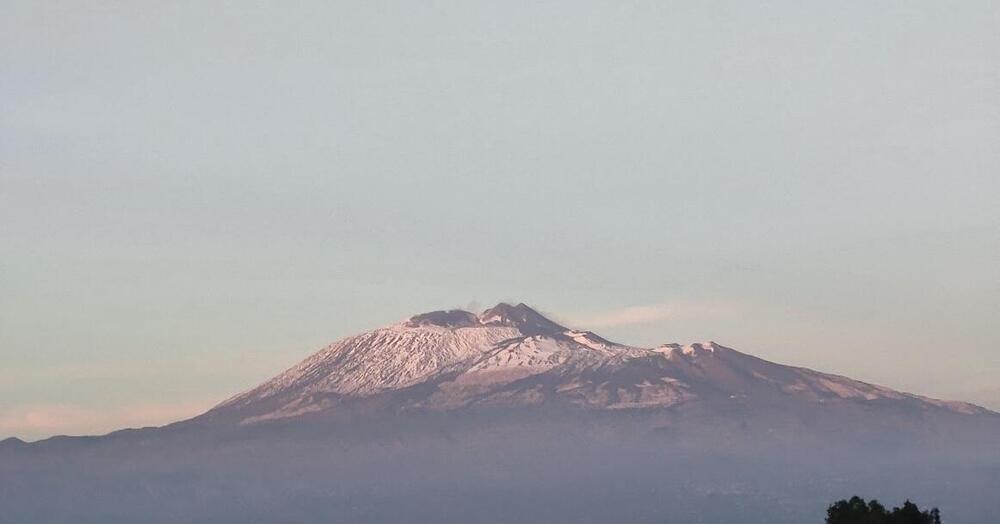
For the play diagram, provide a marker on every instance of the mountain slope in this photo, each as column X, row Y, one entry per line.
column 508, row 417
column 512, row 356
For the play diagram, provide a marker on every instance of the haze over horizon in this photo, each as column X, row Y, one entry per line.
column 194, row 198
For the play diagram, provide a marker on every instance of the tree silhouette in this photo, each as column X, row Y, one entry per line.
column 858, row 511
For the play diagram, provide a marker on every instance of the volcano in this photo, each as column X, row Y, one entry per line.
column 507, row 416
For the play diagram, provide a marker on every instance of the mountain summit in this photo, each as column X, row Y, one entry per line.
column 522, row 317
column 506, row 416
column 513, row 356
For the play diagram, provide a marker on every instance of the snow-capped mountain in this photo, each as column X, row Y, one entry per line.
column 513, row 356
column 506, row 416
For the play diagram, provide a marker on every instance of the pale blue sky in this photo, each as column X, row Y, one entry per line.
column 194, row 195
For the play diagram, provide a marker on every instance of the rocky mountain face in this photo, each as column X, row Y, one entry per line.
column 512, row 356
column 508, row 417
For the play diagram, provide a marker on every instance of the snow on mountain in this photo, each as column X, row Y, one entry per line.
column 506, row 416
column 514, row 356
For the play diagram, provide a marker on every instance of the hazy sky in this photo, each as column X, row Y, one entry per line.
column 195, row 195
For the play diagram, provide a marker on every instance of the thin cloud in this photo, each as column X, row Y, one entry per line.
column 216, row 367
column 653, row 314
column 43, row 420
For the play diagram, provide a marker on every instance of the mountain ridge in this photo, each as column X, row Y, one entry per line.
column 507, row 417
column 511, row 355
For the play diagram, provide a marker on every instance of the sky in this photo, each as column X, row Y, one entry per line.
column 196, row 195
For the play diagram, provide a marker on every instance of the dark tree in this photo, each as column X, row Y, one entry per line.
column 857, row 511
